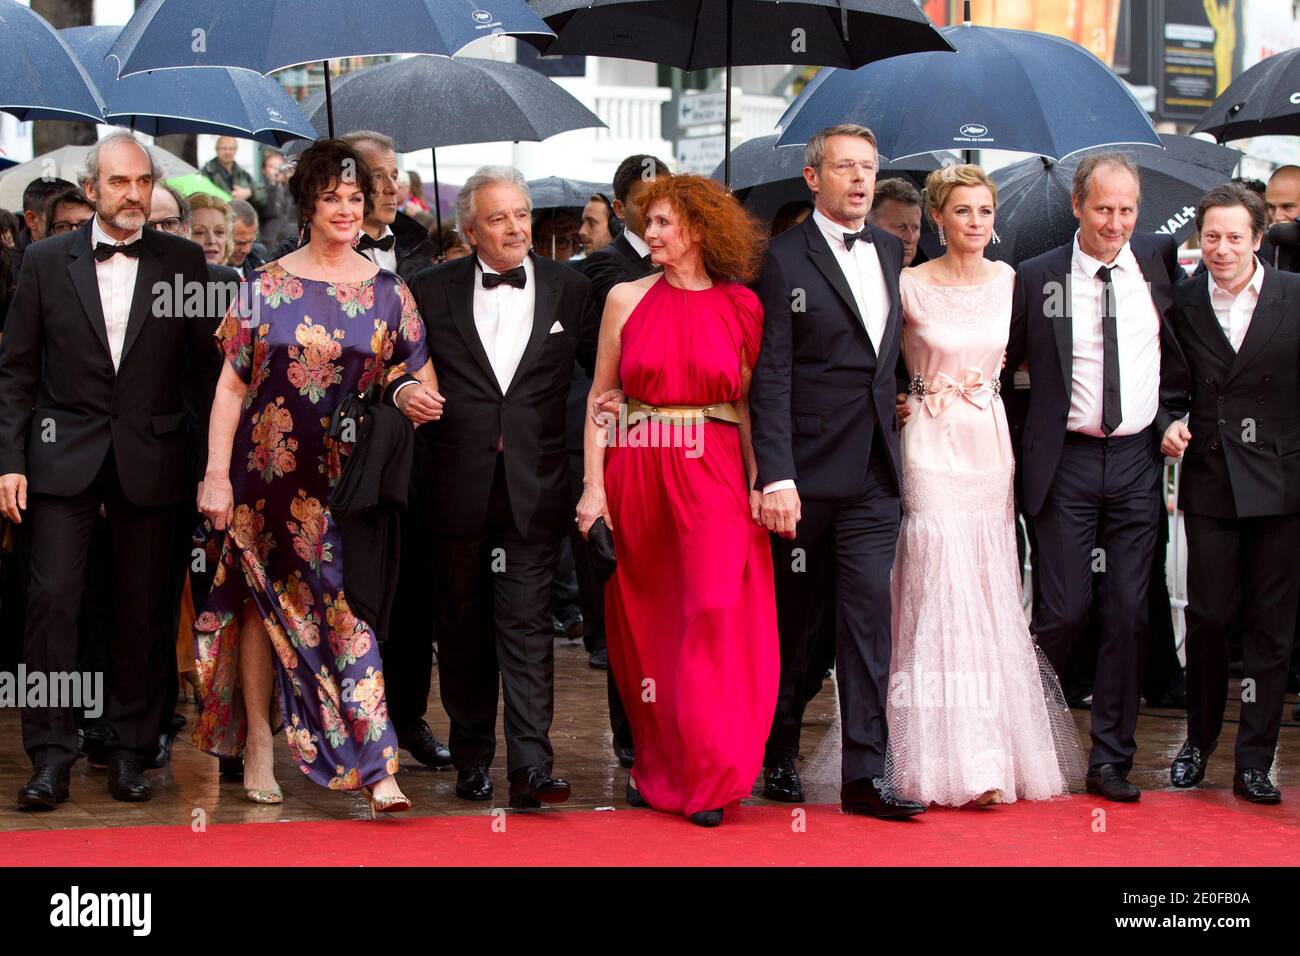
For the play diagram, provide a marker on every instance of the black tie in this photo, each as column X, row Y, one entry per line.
column 104, row 251
column 370, row 242
column 1111, row 413
column 515, row 277
column 852, row 237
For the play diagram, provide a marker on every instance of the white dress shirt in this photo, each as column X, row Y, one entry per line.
column 1137, row 325
column 637, row 243
column 116, row 288
column 504, row 319
column 866, row 279
column 1235, row 311
column 385, row 260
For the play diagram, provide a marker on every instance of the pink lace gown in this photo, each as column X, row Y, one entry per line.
column 690, row 611
column 973, row 706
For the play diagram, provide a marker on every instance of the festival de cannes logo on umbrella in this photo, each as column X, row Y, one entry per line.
column 483, row 20
column 973, row 133
column 274, row 115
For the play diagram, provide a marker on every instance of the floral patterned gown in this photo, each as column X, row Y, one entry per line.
column 307, row 344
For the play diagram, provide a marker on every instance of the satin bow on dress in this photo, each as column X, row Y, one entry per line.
column 943, row 390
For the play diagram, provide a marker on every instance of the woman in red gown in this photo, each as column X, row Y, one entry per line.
column 690, row 611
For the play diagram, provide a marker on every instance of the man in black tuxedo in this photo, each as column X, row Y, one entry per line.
column 625, row 259
column 490, row 488
column 1239, row 327
column 826, row 439
column 1092, row 319
column 92, row 413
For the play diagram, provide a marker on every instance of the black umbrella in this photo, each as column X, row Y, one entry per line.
column 270, row 35
column 40, row 78
column 766, row 177
column 698, row 34
column 1263, row 101
column 552, row 192
column 1034, row 210
column 424, row 102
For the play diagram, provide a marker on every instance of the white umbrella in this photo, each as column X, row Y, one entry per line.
column 69, row 162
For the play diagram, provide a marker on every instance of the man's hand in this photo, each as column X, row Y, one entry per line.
column 782, row 511
column 902, row 408
column 606, row 403
column 756, row 506
column 13, row 496
column 419, row 403
column 1175, row 442
column 242, row 193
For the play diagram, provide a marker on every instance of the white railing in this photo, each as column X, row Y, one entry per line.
column 631, row 112
column 758, row 115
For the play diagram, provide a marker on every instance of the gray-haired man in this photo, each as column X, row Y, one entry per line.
column 490, row 499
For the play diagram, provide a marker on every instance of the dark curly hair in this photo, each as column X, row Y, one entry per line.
column 320, row 167
column 731, row 240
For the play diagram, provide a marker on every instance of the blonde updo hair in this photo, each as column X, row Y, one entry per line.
column 940, row 184
column 207, row 201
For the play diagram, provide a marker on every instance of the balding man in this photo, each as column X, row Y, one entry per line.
column 1282, row 197
column 92, row 415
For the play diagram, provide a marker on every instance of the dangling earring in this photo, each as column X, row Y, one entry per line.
column 996, row 237
column 302, row 230
column 943, row 240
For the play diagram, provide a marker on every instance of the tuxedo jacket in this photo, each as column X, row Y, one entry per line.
column 1244, row 457
column 411, row 243
column 820, row 391
column 1042, row 331
column 62, row 405
column 615, row 263
column 456, row 455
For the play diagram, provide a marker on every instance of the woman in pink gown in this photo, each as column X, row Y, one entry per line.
column 690, row 609
column 975, row 711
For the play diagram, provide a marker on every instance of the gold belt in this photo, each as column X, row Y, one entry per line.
column 684, row 414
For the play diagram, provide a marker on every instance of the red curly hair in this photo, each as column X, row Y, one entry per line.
column 731, row 240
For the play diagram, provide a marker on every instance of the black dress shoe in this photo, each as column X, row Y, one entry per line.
column 634, row 798
column 599, row 658
column 126, row 781
column 625, row 755
column 47, row 788
column 164, row 754
column 1255, row 786
column 425, row 747
column 707, row 818
column 781, row 782
column 871, row 796
column 1188, row 768
column 473, row 783
column 231, row 768
column 1109, row 782
column 530, row 788
column 95, row 742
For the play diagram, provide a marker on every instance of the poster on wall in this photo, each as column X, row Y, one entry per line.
column 1093, row 24
column 1196, row 55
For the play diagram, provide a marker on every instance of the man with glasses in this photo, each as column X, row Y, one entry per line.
column 826, row 439
column 66, row 211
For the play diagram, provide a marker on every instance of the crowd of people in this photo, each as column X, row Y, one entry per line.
column 745, row 452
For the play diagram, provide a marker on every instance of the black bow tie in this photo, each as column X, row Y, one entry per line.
column 370, row 242
column 515, row 277
column 852, row 237
column 104, row 251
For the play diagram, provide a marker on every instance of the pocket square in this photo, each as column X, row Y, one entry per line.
column 557, row 327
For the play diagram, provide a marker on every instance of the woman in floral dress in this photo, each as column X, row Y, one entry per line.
column 317, row 325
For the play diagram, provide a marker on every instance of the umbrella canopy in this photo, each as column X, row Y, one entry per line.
column 198, row 183
column 1263, row 101
column 69, row 162
column 424, row 102
column 214, row 100
column 556, row 193
column 273, row 34
column 765, row 178
column 40, row 78
column 695, row 34
column 1006, row 89
column 1035, row 213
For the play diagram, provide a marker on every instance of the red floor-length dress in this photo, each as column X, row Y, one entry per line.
column 690, row 610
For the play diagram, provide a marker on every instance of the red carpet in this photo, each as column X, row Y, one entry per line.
column 1204, row 828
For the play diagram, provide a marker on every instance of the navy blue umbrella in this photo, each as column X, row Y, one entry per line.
column 214, row 100
column 270, row 35
column 1263, row 101
column 1035, row 213
column 1005, row 89
column 40, row 78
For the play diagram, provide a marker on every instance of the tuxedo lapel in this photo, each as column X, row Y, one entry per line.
column 1269, row 311
column 545, row 299
column 148, row 273
column 1204, row 324
column 85, row 280
column 819, row 251
column 889, row 335
column 460, row 292
column 1058, row 277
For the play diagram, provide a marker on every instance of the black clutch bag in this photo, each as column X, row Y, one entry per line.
column 600, row 544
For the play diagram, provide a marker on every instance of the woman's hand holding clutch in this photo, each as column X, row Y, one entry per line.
column 592, row 506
